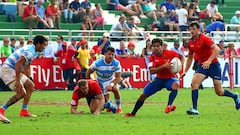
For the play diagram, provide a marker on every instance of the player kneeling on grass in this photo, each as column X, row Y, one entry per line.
column 91, row 90
column 160, row 64
column 15, row 73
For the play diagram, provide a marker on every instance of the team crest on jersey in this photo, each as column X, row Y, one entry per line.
column 165, row 58
column 113, row 68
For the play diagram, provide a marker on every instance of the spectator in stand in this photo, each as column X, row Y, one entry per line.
column 122, row 50
column 87, row 25
column 182, row 15
column 136, row 7
column 53, row 14
column 131, row 24
column 73, row 44
column 21, row 42
column 230, row 49
column 92, row 56
column 78, row 12
column 222, row 48
column 83, row 57
column 236, row 20
column 185, row 47
column 97, row 14
column 48, row 52
column 223, row 3
column 115, row 5
column 59, row 41
column 179, row 3
column 86, row 4
column 5, row 49
column 147, row 51
column 211, row 11
column 166, row 24
column 104, row 42
column 148, row 11
column 41, row 12
column 215, row 26
column 193, row 14
column 165, row 46
column 176, row 48
column 30, row 15
column 66, row 56
column 168, row 5
column 121, row 29
column 67, row 11
column 12, row 44
column 131, row 49
column 87, row 7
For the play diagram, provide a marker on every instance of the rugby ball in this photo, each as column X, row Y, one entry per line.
column 176, row 65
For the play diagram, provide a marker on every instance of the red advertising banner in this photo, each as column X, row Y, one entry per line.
column 139, row 69
column 48, row 75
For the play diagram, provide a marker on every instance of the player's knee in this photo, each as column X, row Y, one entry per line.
column 29, row 85
column 175, row 86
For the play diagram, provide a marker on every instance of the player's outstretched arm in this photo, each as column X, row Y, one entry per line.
column 188, row 65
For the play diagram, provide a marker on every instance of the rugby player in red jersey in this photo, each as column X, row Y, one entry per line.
column 90, row 90
column 160, row 64
column 208, row 66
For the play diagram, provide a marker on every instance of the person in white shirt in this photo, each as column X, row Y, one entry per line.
column 182, row 14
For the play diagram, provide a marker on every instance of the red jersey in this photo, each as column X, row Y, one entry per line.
column 202, row 48
column 29, row 11
column 66, row 58
column 94, row 89
column 51, row 10
column 157, row 61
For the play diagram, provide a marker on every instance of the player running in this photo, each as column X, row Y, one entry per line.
column 207, row 53
column 15, row 73
column 160, row 65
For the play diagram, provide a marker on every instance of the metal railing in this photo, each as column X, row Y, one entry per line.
column 68, row 34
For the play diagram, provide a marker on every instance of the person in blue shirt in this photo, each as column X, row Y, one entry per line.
column 168, row 5
column 78, row 12
column 215, row 26
column 122, row 51
column 16, row 72
column 41, row 12
column 104, row 42
column 108, row 70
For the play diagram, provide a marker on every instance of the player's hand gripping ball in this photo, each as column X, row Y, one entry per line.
column 176, row 65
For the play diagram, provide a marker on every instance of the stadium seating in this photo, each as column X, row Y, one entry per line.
column 227, row 12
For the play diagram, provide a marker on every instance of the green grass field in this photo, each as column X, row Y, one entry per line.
column 218, row 116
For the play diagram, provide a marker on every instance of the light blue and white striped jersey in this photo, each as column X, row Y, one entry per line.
column 27, row 51
column 104, row 71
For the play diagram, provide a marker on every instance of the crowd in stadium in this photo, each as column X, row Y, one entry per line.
column 169, row 15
